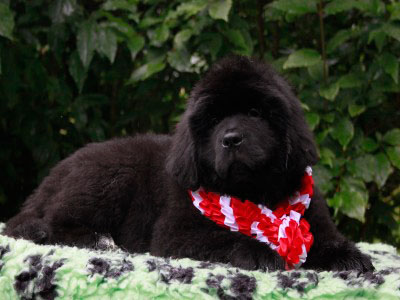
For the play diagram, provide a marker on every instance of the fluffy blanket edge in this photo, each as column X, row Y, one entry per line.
column 30, row 271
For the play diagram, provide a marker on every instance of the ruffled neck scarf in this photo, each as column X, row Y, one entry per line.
column 283, row 230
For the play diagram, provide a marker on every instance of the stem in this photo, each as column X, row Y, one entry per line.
column 275, row 39
column 113, row 108
column 260, row 26
column 392, row 195
column 322, row 32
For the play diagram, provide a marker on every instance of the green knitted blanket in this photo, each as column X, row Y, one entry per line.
column 30, row 271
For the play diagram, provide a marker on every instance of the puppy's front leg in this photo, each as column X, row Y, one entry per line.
column 201, row 239
column 331, row 251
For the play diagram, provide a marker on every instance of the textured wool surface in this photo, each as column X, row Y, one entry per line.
column 30, row 271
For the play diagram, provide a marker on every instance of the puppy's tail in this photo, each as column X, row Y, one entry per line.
column 28, row 227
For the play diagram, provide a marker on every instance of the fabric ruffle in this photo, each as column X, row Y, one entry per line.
column 283, row 229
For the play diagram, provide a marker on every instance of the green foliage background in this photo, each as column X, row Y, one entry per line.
column 72, row 72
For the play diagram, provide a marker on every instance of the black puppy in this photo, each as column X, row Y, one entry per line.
column 243, row 134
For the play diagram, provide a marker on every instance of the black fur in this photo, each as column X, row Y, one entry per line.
column 243, row 134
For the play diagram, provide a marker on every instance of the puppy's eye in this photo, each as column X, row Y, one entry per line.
column 254, row 113
column 214, row 121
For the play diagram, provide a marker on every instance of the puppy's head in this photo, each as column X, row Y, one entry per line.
column 243, row 134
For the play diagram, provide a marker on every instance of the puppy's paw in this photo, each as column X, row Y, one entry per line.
column 339, row 256
column 271, row 262
column 105, row 242
column 35, row 230
column 353, row 260
column 256, row 257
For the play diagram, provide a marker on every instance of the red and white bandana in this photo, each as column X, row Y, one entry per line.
column 282, row 229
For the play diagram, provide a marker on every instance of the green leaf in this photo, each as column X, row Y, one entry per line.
column 211, row 43
column 394, row 10
column 107, row 43
column 327, row 156
column 379, row 136
column 296, row 7
column 86, row 42
column 191, row 8
column 182, row 37
column 338, row 6
column 343, row 132
column 304, row 106
column 330, row 92
column 385, row 215
column 379, row 37
column 312, row 120
column 392, row 29
column 127, row 5
column 179, row 59
column 383, row 169
column 355, row 109
column 392, row 137
column 335, row 202
column 390, row 64
column 6, row 21
column 323, row 178
column 147, row 70
column 59, row 10
column 354, row 198
column 350, row 81
column 394, row 155
column 58, row 36
column 302, row 58
column 369, row 145
column 363, row 167
column 340, row 37
column 120, row 25
column 135, row 43
column 236, row 37
column 316, row 71
column 377, row 7
column 351, row 203
column 79, row 114
column 149, row 21
column 159, row 35
column 77, row 71
column 354, row 184
column 219, row 9
column 329, row 117
column 383, row 84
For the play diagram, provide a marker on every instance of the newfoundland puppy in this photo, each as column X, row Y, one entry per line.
column 242, row 136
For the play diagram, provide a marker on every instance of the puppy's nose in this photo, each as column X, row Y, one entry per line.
column 232, row 139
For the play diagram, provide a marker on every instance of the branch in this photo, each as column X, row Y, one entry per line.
column 260, row 27
column 113, row 106
column 322, row 31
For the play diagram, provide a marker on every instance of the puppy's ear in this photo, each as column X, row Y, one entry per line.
column 301, row 149
column 181, row 160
